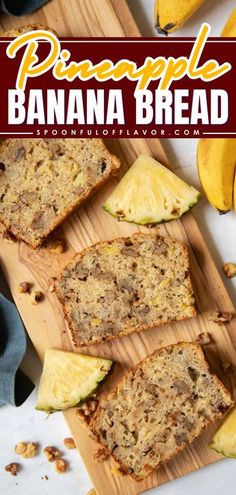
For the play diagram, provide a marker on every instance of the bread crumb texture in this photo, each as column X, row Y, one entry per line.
column 25, row 29
column 43, row 180
column 160, row 406
column 126, row 285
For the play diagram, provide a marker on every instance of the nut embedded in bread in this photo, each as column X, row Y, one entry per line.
column 130, row 284
column 43, row 180
column 159, row 407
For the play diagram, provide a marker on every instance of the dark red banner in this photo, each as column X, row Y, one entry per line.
column 186, row 107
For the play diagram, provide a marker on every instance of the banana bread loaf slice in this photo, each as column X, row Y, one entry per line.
column 159, row 407
column 43, row 180
column 130, row 284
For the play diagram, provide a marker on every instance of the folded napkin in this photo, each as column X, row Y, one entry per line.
column 15, row 387
column 20, row 7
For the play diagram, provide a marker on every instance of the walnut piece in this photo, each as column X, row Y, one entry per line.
column 58, row 247
column 31, row 450
column 87, row 409
column 204, row 338
column 36, row 297
column 12, row 468
column 52, row 453
column 20, row 448
column 100, row 455
column 23, row 287
column 92, row 492
column 69, row 443
column 220, row 318
column 229, row 269
column 61, row 466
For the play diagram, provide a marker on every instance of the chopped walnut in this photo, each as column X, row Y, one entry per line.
column 92, row 492
column 58, row 247
column 220, row 318
column 100, row 455
column 61, row 466
column 12, row 468
column 204, row 338
column 23, row 287
column 69, row 443
column 36, row 297
column 229, row 269
column 31, row 450
column 87, row 409
column 20, row 448
column 52, row 453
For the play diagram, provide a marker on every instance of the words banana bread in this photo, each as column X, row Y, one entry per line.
column 43, row 180
column 130, row 284
column 159, row 407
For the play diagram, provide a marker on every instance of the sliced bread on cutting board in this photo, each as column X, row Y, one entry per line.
column 129, row 284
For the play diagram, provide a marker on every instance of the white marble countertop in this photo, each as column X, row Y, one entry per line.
column 25, row 423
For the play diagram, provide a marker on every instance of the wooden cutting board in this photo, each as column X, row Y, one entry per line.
column 45, row 323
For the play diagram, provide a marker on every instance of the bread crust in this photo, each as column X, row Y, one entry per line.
column 137, row 328
column 73, row 206
column 12, row 33
column 132, row 371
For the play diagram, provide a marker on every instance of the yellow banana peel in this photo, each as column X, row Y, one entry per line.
column 216, row 166
column 235, row 192
column 229, row 30
column 217, row 157
column 170, row 15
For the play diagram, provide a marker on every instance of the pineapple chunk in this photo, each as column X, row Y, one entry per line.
column 150, row 193
column 224, row 441
column 69, row 378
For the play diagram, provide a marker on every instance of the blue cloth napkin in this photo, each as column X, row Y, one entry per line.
column 20, row 7
column 15, row 387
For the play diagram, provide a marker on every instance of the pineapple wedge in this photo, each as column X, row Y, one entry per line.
column 69, row 378
column 224, row 441
column 150, row 193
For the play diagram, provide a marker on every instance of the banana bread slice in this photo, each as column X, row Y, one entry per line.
column 130, row 284
column 159, row 407
column 43, row 180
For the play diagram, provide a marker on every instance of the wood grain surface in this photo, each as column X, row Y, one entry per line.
column 44, row 322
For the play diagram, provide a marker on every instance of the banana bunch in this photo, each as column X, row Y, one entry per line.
column 170, row 15
column 217, row 157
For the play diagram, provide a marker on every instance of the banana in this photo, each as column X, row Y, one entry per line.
column 229, row 30
column 217, row 157
column 216, row 166
column 235, row 192
column 170, row 15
